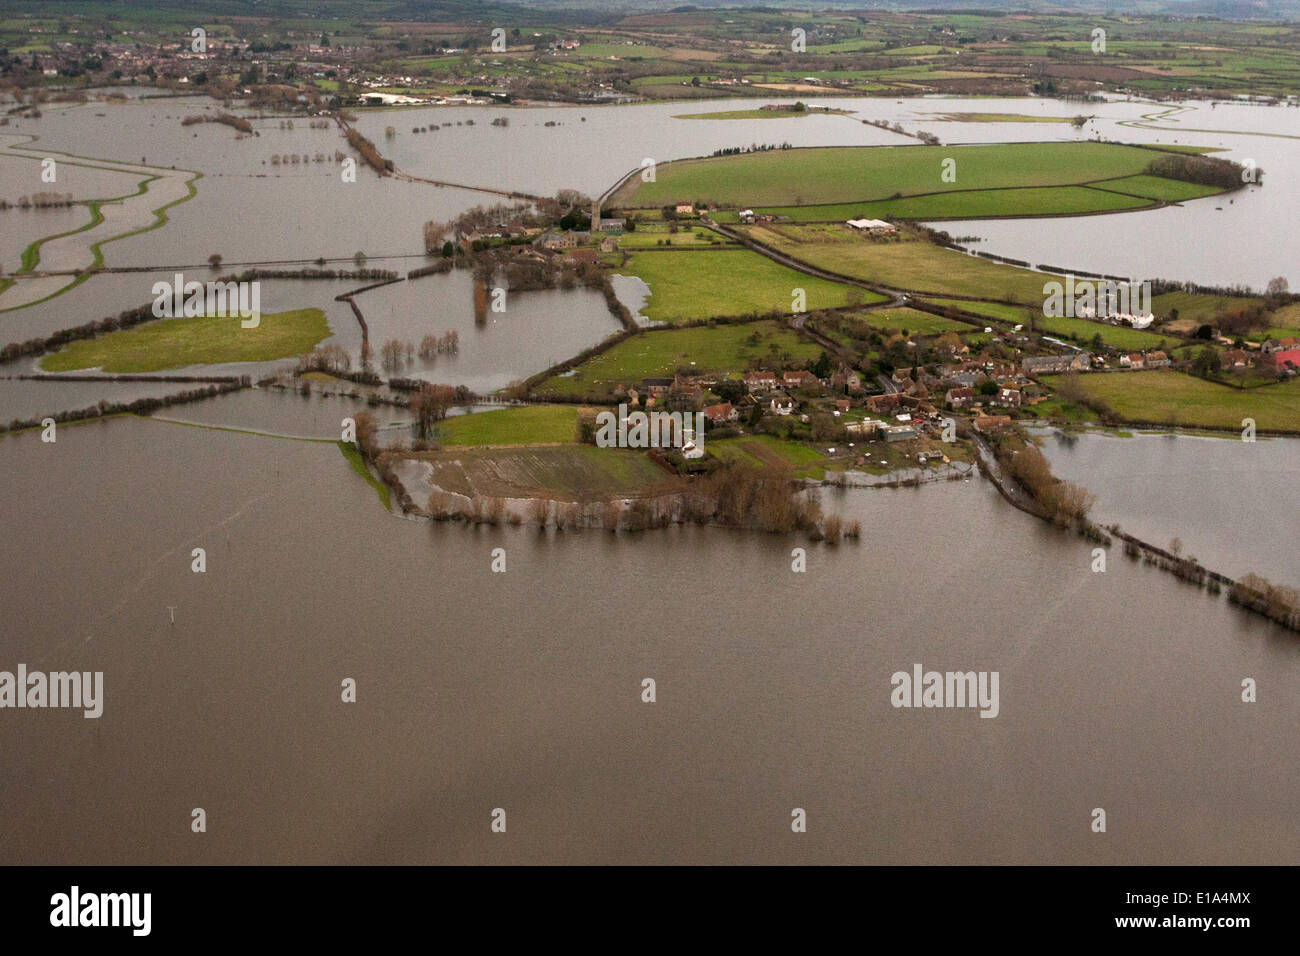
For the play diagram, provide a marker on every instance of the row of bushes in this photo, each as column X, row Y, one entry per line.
column 141, row 406
column 436, row 268
column 227, row 119
column 379, row 275
column 128, row 318
column 55, row 340
column 1202, row 170
column 369, row 152
column 734, row 495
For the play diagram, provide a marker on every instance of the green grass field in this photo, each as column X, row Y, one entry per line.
column 661, row 352
column 1014, row 314
column 1172, row 398
column 912, row 264
column 914, row 321
column 1157, row 187
column 1082, row 331
column 528, row 425
column 697, row 285
column 648, row 236
column 1202, row 308
column 176, row 343
column 798, row 177
column 1286, row 322
column 623, row 50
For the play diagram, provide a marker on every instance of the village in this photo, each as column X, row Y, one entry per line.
column 876, row 398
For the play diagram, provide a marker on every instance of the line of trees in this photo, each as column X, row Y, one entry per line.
column 1278, row 603
column 434, row 345
column 125, row 319
column 42, row 200
column 227, row 119
column 1065, row 503
column 140, row 406
column 1203, row 170
column 369, row 152
column 431, row 404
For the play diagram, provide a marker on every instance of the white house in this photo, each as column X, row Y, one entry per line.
column 782, row 404
column 870, row 225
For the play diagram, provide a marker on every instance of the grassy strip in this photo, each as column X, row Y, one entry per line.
column 1157, row 188
column 971, row 204
column 31, row 255
column 359, row 466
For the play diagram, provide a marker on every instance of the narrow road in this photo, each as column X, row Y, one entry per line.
column 407, row 177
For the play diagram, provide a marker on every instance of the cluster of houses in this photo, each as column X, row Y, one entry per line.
column 578, row 245
column 1280, row 355
column 914, row 409
column 1034, row 365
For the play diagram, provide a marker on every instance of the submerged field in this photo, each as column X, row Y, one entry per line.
column 176, row 343
column 786, row 113
column 564, row 472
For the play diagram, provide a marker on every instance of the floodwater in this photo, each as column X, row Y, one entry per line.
column 522, row 691
column 534, row 330
column 1230, row 502
column 1245, row 237
column 479, row 690
column 250, row 209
